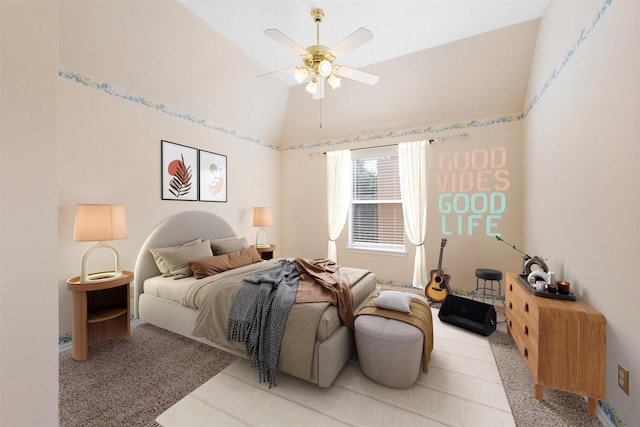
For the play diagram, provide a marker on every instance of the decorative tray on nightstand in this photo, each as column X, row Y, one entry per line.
column 569, row 297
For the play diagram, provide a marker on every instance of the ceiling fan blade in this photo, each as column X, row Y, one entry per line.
column 286, row 42
column 353, row 74
column 286, row 71
column 352, row 41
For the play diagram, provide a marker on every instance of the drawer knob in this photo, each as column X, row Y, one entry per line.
column 510, row 287
column 526, row 307
column 510, row 306
column 526, row 330
column 526, row 353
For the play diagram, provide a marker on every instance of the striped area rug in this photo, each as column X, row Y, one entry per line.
column 463, row 387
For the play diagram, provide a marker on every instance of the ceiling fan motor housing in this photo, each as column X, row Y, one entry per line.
column 317, row 15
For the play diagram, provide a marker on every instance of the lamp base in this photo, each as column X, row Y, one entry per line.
column 103, row 276
column 264, row 243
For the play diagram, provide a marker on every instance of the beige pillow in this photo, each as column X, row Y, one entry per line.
column 228, row 244
column 177, row 259
column 217, row 264
column 157, row 254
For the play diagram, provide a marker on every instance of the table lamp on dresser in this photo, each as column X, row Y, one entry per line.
column 100, row 223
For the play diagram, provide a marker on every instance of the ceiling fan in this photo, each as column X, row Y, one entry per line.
column 318, row 60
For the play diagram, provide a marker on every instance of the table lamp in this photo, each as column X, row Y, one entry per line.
column 261, row 217
column 100, row 223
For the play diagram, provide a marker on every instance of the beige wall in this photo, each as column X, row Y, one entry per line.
column 102, row 132
column 304, row 224
column 109, row 149
column 28, row 213
column 474, row 78
column 471, row 86
column 582, row 204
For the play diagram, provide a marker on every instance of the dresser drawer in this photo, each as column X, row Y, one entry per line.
column 563, row 343
column 524, row 302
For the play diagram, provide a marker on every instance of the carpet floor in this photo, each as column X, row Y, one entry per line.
column 131, row 383
column 558, row 408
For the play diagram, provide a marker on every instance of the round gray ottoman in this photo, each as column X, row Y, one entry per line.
column 389, row 351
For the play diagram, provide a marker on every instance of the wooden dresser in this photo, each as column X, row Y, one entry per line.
column 563, row 342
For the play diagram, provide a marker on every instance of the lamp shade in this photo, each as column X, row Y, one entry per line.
column 100, row 223
column 261, row 217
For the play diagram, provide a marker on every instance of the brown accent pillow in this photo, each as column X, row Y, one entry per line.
column 209, row 266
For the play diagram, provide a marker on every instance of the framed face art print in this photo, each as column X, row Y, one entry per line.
column 212, row 177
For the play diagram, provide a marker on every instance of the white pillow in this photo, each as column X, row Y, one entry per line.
column 177, row 259
column 396, row 300
column 228, row 245
column 157, row 254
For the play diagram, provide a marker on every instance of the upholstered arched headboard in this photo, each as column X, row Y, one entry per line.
column 175, row 230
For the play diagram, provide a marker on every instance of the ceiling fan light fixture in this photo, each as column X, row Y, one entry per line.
column 324, row 68
column 312, row 87
column 334, row 81
column 301, row 74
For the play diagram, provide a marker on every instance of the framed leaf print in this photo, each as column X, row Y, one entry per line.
column 179, row 169
column 213, row 177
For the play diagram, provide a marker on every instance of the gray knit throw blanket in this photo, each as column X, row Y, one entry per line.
column 258, row 315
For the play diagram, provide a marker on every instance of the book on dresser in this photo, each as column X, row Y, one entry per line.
column 563, row 343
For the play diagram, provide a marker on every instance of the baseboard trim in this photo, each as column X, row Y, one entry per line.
column 607, row 415
column 66, row 343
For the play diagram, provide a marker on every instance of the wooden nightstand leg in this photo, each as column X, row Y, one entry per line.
column 539, row 392
column 79, row 337
column 592, row 405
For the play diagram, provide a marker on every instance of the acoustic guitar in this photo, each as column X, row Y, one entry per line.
column 438, row 287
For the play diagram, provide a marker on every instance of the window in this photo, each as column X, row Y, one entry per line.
column 375, row 217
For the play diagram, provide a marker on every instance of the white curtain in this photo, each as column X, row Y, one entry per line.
column 338, row 196
column 412, row 162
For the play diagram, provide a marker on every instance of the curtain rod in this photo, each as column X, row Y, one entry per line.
column 432, row 140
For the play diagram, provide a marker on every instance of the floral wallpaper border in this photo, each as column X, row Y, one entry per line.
column 584, row 33
column 163, row 108
column 505, row 118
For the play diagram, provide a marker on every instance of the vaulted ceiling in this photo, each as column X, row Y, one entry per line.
column 399, row 27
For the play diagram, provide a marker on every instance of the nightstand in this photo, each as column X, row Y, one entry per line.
column 100, row 311
column 266, row 253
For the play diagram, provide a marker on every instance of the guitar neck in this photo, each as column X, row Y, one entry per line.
column 440, row 261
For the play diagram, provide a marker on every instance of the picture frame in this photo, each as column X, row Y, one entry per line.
column 179, row 168
column 212, row 177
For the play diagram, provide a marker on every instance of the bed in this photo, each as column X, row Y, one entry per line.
column 165, row 302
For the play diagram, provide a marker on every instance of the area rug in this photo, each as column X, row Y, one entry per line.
column 463, row 387
column 130, row 383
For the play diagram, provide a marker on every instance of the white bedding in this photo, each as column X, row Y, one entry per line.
column 168, row 288
column 165, row 303
column 189, row 291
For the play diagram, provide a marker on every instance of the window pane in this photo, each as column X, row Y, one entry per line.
column 376, row 214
